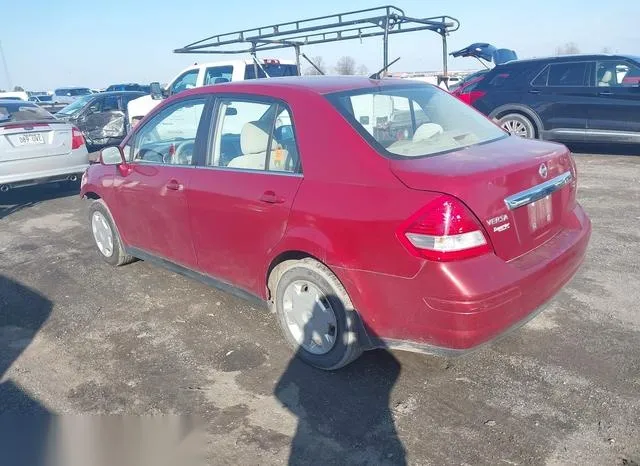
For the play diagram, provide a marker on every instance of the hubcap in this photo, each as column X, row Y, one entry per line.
column 310, row 317
column 516, row 127
column 102, row 234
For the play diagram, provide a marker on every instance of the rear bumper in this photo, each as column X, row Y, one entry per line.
column 454, row 307
column 18, row 173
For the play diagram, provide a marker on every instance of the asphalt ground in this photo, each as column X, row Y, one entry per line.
column 78, row 337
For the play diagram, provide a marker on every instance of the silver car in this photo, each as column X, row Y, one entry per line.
column 37, row 148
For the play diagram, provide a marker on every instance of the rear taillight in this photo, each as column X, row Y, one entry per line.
column 471, row 96
column 77, row 139
column 466, row 92
column 444, row 230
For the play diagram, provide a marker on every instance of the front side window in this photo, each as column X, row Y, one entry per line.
column 169, row 137
column 254, row 136
column 218, row 74
column 186, row 81
column 616, row 73
column 567, row 74
column 414, row 121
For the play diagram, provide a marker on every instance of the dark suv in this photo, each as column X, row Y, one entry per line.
column 580, row 98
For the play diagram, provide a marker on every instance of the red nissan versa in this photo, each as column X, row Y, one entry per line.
column 368, row 213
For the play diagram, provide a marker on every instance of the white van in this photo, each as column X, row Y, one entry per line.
column 205, row 74
column 20, row 95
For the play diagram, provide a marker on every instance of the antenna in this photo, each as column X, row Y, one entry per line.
column 6, row 68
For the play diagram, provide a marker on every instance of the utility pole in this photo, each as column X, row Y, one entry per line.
column 6, row 68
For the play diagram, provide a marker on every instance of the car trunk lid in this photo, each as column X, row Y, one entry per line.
column 33, row 139
column 520, row 190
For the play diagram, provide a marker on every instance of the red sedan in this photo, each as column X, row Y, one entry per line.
column 366, row 213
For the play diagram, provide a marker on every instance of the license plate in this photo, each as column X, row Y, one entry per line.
column 30, row 138
column 540, row 213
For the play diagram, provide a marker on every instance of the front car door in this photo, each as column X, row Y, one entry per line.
column 152, row 208
column 563, row 95
column 241, row 198
column 614, row 113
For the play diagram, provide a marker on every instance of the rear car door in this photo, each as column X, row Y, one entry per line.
column 241, row 198
column 614, row 113
column 152, row 212
column 561, row 96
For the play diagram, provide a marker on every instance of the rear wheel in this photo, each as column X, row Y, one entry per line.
column 518, row 125
column 315, row 314
column 105, row 235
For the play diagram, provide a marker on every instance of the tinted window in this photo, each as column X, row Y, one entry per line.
column 414, row 121
column 74, row 92
column 616, row 73
column 254, row 136
column 186, row 81
column 76, row 106
column 169, row 138
column 541, row 79
column 110, row 103
column 22, row 111
column 218, row 74
column 567, row 74
column 274, row 70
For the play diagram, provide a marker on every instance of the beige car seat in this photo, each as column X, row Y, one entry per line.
column 253, row 143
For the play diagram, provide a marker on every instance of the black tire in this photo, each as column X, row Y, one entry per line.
column 118, row 256
column 347, row 347
column 513, row 122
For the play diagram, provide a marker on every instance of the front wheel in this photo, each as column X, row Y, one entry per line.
column 315, row 314
column 518, row 125
column 105, row 235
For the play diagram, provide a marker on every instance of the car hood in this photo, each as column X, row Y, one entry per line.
column 486, row 52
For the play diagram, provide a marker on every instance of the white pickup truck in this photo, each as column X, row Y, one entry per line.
column 205, row 74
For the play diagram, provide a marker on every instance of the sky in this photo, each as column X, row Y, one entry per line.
column 49, row 44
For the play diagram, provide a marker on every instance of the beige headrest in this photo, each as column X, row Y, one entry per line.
column 253, row 139
column 427, row 131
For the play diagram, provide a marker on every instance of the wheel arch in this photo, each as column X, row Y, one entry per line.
column 524, row 110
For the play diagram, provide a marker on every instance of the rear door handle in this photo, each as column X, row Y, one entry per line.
column 534, row 91
column 270, row 197
column 605, row 93
column 173, row 185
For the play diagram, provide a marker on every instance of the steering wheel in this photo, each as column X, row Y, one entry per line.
column 183, row 154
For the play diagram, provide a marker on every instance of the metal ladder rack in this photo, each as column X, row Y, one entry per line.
column 372, row 22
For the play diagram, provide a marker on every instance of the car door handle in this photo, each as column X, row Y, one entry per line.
column 534, row 91
column 173, row 185
column 605, row 93
column 270, row 197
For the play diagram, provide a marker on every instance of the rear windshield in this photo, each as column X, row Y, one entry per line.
column 274, row 70
column 22, row 111
column 44, row 98
column 73, row 92
column 414, row 121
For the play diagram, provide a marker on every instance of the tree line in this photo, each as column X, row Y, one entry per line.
column 345, row 65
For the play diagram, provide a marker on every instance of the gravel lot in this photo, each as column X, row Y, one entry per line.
column 77, row 336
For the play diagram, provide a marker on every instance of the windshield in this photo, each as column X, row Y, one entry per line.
column 76, row 105
column 274, row 70
column 414, row 121
column 22, row 111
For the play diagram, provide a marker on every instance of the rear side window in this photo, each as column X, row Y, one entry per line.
column 568, row 74
column 414, row 121
column 541, row 79
column 22, row 111
column 254, row 136
column 218, row 74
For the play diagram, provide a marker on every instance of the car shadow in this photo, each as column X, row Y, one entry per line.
column 24, row 421
column 18, row 199
column 605, row 149
column 344, row 416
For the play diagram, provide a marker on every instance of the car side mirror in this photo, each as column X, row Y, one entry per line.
column 112, row 156
column 156, row 91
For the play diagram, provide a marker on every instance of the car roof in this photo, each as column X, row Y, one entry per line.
column 71, row 87
column 569, row 58
column 314, row 84
column 100, row 94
